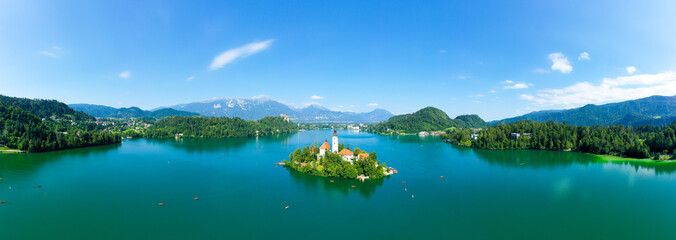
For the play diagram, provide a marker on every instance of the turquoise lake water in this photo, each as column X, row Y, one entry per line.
column 112, row 192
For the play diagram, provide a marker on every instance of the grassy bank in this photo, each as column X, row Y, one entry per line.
column 611, row 158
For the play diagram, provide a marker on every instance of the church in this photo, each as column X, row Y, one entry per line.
column 334, row 145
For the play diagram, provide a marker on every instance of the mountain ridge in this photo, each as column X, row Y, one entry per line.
column 130, row 112
column 653, row 110
column 258, row 107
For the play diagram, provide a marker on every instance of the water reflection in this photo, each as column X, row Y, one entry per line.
column 16, row 165
column 339, row 186
column 536, row 159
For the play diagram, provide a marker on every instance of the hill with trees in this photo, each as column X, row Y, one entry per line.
column 655, row 110
column 426, row 119
column 48, row 125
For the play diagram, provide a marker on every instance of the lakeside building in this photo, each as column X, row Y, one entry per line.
column 517, row 135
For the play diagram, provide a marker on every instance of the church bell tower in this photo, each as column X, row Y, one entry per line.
column 334, row 142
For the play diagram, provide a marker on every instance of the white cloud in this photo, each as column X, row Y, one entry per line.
column 560, row 63
column 584, row 56
column 190, row 78
column 239, row 52
column 479, row 95
column 442, row 51
column 125, row 74
column 354, row 106
column 372, row 104
column 631, row 70
column 463, row 77
column 492, row 91
column 609, row 90
column 315, row 97
column 517, row 86
column 217, row 105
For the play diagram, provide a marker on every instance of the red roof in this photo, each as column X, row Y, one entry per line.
column 364, row 155
column 346, row 151
column 303, row 164
column 325, row 145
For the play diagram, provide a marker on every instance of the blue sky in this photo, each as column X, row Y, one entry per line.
column 496, row 59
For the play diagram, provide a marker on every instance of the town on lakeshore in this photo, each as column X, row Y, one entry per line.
column 337, row 160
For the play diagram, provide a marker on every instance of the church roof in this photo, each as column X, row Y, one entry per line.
column 346, row 151
column 325, row 145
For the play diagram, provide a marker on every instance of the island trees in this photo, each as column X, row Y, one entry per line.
column 307, row 160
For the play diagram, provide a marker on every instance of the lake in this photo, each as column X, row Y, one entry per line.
column 112, row 192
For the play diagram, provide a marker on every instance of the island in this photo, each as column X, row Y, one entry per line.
column 336, row 160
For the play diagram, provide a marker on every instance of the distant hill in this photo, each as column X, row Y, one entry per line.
column 427, row 119
column 655, row 110
column 259, row 107
column 132, row 112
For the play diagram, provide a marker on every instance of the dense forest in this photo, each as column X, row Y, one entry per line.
column 306, row 160
column 426, row 119
column 218, row 127
column 617, row 140
column 23, row 130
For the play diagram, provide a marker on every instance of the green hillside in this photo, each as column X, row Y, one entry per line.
column 426, row 119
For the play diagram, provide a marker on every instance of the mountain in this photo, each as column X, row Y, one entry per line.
column 655, row 110
column 427, row 119
column 259, row 107
column 132, row 112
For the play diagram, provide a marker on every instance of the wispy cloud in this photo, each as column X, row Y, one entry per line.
column 492, row 91
column 190, row 78
column 631, row 70
column 479, row 95
column 442, row 51
column 239, row 52
column 540, row 70
column 372, row 104
column 560, row 62
column 584, row 56
column 315, row 97
column 125, row 74
column 609, row 90
column 54, row 52
column 463, row 77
